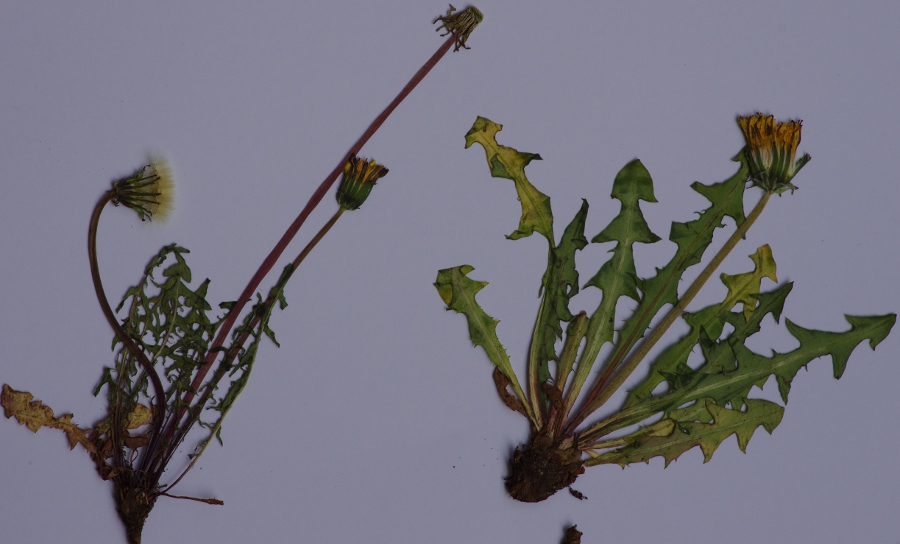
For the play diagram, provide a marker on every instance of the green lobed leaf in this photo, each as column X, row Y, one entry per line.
column 558, row 286
column 692, row 239
column 719, row 358
column 169, row 322
column 240, row 370
column 813, row 344
column 617, row 277
column 742, row 289
column 458, row 292
column 506, row 162
column 770, row 302
column 730, row 370
column 689, row 434
column 694, row 408
column 575, row 332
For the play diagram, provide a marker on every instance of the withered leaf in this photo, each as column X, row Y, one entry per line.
column 34, row 415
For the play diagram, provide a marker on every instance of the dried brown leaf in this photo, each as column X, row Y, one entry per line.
column 510, row 400
column 34, row 415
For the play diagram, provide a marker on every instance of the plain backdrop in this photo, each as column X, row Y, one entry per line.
column 376, row 420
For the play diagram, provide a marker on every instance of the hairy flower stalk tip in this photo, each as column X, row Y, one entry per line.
column 771, row 151
column 461, row 24
column 359, row 177
column 148, row 191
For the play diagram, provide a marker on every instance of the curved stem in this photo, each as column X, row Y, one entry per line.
column 605, row 389
column 160, row 404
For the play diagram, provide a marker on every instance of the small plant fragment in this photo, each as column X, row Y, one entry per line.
column 176, row 365
column 701, row 405
column 572, row 535
column 577, row 494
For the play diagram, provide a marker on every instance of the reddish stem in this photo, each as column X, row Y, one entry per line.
column 282, row 244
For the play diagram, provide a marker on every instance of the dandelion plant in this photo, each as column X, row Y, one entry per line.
column 177, row 365
column 678, row 405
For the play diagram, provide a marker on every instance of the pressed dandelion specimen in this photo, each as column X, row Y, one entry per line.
column 678, row 406
column 175, row 362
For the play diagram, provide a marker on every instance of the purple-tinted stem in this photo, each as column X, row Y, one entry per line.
column 121, row 335
column 282, row 244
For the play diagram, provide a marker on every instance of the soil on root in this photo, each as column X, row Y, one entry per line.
column 134, row 505
column 542, row 467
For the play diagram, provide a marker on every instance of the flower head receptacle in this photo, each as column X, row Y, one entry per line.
column 461, row 24
column 771, row 151
column 148, row 191
column 357, row 182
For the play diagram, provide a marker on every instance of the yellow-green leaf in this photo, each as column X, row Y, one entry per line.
column 458, row 292
column 506, row 162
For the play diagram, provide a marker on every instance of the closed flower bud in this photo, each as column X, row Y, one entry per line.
column 357, row 182
column 771, row 150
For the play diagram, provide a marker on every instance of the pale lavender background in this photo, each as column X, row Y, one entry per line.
column 376, row 421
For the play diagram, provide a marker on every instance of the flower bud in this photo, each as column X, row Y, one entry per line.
column 771, row 148
column 357, row 182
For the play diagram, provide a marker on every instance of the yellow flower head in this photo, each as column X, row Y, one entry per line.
column 771, row 149
column 359, row 178
column 149, row 191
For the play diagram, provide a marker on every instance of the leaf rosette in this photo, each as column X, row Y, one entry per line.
column 680, row 404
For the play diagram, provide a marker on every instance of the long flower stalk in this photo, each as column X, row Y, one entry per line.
column 294, row 227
